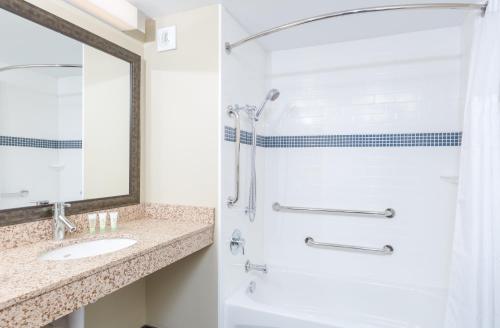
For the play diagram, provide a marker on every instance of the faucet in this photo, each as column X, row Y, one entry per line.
column 61, row 223
column 255, row 267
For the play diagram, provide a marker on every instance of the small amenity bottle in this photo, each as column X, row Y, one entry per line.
column 113, row 220
column 102, row 221
column 92, row 222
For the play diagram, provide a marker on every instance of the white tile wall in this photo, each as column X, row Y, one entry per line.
column 34, row 115
column 243, row 82
column 401, row 83
column 70, row 116
column 37, row 105
column 397, row 84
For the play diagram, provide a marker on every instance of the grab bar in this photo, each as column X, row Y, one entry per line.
column 21, row 193
column 231, row 201
column 388, row 212
column 386, row 250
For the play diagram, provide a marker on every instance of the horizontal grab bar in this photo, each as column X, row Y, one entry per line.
column 386, row 250
column 21, row 193
column 388, row 212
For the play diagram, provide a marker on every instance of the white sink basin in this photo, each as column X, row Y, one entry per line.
column 88, row 249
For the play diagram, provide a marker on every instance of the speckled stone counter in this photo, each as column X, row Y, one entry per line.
column 35, row 292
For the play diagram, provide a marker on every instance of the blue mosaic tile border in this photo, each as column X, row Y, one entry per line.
column 436, row 139
column 40, row 143
column 245, row 136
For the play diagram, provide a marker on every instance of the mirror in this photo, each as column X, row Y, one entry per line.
column 68, row 115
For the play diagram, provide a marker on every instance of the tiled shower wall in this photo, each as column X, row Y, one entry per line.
column 408, row 84
column 40, row 137
column 243, row 81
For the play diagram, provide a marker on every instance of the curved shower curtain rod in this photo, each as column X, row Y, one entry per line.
column 8, row 68
column 474, row 6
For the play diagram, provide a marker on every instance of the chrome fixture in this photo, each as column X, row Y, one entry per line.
column 20, row 193
column 251, row 287
column 60, row 222
column 41, row 203
column 231, row 200
column 251, row 210
column 386, row 250
column 469, row 6
column 237, row 244
column 272, row 95
column 254, row 115
column 255, row 267
column 387, row 213
column 12, row 67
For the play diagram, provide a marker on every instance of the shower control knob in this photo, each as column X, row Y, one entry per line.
column 237, row 244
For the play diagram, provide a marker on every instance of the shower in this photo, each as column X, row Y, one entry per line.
column 255, row 114
column 272, row 95
column 347, row 179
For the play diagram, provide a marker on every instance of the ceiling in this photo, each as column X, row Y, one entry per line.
column 258, row 15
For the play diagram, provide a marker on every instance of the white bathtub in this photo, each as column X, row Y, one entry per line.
column 289, row 300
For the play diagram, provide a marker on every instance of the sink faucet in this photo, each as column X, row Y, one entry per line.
column 61, row 223
column 255, row 267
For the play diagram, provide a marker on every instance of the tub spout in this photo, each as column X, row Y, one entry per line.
column 255, row 267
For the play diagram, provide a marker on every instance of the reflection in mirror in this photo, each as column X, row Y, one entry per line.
column 64, row 118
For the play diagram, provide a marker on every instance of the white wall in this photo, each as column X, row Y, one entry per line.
column 125, row 308
column 26, row 168
column 33, row 105
column 106, row 124
column 181, row 158
column 70, row 161
column 405, row 83
column 181, row 117
column 243, row 79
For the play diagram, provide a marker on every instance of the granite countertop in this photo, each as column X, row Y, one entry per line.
column 27, row 280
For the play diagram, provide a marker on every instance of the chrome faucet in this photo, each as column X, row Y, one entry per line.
column 61, row 223
column 255, row 267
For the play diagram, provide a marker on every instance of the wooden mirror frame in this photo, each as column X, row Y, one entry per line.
column 57, row 24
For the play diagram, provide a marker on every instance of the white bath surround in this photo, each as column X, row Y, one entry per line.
column 410, row 83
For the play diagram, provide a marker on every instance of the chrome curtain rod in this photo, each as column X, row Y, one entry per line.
column 471, row 6
column 387, row 213
column 8, row 68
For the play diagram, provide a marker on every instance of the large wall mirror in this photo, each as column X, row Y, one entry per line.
column 69, row 117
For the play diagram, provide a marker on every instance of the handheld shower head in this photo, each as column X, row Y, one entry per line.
column 272, row 95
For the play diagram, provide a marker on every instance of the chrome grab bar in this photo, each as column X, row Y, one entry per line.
column 231, row 201
column 21, row 193
column 388, row 212
column 386, row 250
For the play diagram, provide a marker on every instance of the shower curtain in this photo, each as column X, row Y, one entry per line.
column 474, row 293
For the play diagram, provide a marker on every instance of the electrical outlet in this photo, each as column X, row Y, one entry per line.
column 166, row 38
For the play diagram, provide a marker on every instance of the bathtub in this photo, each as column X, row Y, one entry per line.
column 291, row 300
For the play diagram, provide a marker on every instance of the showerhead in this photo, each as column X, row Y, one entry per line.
column 272, row 95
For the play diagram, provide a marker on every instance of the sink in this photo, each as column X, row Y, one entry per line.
column 87, row 249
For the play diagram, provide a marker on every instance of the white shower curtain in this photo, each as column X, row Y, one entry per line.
column 474, row 294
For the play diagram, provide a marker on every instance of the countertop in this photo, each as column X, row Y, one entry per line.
column 35, row 292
